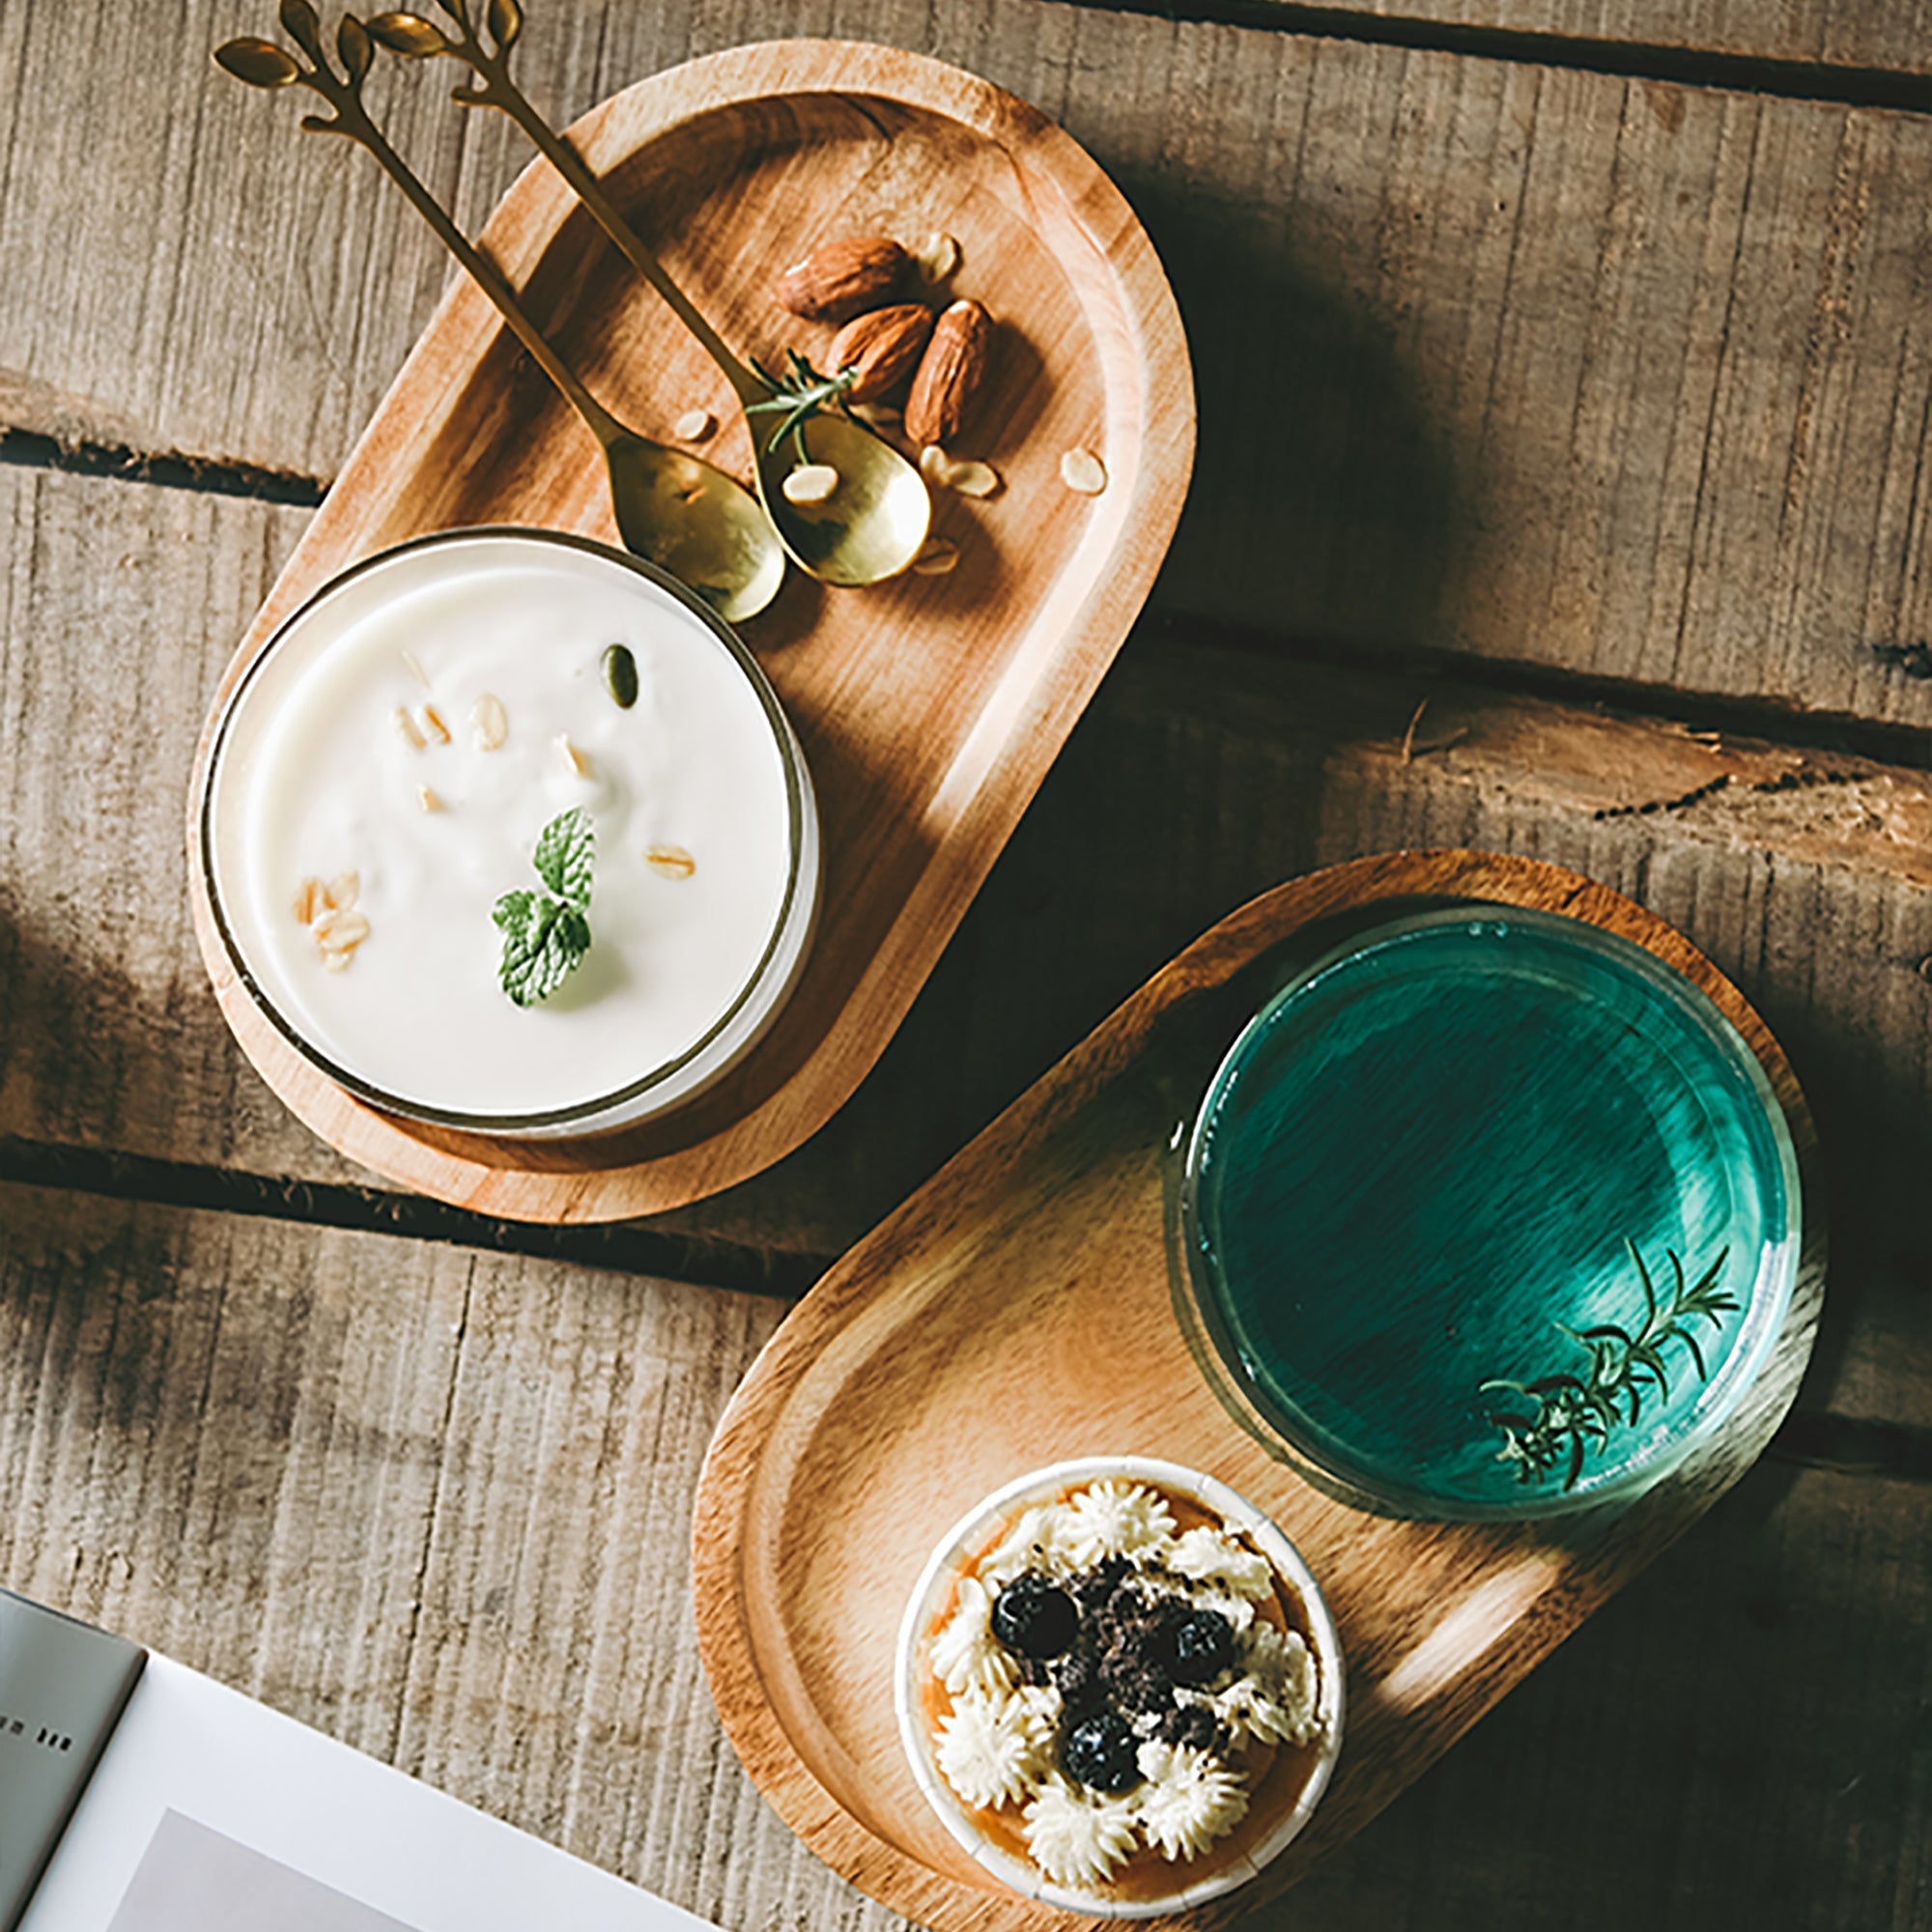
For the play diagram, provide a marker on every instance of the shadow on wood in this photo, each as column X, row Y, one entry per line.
column 1324, row 502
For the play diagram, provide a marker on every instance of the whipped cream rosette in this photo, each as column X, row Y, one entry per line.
column 1120, row 1687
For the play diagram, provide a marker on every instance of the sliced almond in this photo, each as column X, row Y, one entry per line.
column 342, row 892
column 938, row 556
column 408, row 729
column 341, row 931
column 489, row 722
column 308, row 902
column 338, row 963
column 670, row 861
column 937, row 256
column 970, row 478
column 427, row 800
column 416, row 670
column 433, row 720
column 1082, row 470
column 811, row 483
column 693, row 425
column 573, row 761
column 974, row 479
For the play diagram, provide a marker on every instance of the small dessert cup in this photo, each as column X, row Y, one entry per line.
column 1147, row 1719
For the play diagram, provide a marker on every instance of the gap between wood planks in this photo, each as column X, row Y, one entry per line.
column 625, row 1246
column 28, row 449
column 1764, row 718
column 1817, row 1440
column 1638, row 60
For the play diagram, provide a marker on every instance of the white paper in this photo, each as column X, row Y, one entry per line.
column 250, row 1822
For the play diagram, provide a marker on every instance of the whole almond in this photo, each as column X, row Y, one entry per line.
column 834, row 282
column 949, row 374
column 882, row 348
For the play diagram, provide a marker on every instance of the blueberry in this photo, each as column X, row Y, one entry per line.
column 1100, row 1753
column 1034, row 1617
column 1202, row 1648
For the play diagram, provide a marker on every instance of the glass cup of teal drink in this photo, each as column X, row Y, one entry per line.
column 1490, row 1212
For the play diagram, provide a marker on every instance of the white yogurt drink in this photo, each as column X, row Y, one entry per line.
column 380, row 781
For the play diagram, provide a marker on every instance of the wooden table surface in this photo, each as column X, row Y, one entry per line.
column 1564, row 371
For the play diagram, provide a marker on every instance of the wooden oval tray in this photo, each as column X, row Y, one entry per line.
column 929, row 708
column 1018, row 1310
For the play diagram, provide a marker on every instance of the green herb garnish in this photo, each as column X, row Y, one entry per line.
column 547, row 934
column 797, row 396
column 1571, row 1414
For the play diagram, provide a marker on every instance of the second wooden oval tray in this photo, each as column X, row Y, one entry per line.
column 929, row 708
column 1020, row 1310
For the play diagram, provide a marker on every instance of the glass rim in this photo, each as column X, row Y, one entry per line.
column 798, row 808
column 1764, row 1311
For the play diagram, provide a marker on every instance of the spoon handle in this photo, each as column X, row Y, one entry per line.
column 262, row 65
column 487, row 276
column 494, row 87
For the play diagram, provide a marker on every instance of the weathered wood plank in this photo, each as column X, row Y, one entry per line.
column 117, row 612
column 1733, row 1741
column 1524, row 362
column 435, row 1503
column 1199, row 777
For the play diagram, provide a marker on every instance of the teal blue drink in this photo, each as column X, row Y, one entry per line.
column 1491, row 1212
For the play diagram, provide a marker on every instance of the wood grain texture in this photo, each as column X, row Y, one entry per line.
column 922, row 760
column 339, row 1470
column 1727, row 1742
column 117, row 613
column 1199, row 777
column 1545, row 366
column 894, row 1399
column 433, row 1502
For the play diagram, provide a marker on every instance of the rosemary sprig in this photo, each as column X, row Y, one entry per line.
column 1570, row 1414
column 801, row 394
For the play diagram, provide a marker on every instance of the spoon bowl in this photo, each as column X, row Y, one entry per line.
column 691, row 519
column 870, row 526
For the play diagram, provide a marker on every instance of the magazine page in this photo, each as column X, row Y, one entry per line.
column 209, row 1812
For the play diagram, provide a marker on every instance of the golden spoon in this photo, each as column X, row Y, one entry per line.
column 684, row 515
column 877, row 517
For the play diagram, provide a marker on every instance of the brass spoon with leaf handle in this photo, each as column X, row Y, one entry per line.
column 686, row 516
column 877, row 519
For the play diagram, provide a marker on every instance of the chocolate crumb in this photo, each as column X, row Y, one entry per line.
column 1192, row 1725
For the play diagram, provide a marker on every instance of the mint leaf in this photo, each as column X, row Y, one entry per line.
column 544, row 939
column 566, row 851
column 544, row 943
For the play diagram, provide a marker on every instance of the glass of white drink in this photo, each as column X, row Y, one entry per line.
column 505, row 830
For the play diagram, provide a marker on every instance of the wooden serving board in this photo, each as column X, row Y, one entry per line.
column 929, row 708
column 1018, row 1310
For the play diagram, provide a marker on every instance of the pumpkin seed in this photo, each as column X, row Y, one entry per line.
column 620, row 675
